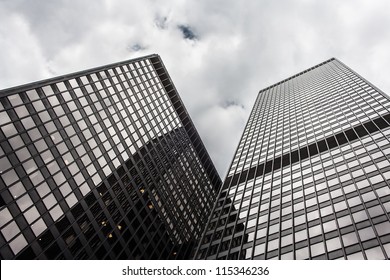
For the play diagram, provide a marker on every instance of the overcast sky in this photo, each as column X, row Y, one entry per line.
column 219, row 53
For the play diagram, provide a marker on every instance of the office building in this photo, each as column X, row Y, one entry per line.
column 102, row 164
column 310, row 177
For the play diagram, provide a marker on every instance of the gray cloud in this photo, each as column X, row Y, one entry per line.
column 187, row 32
column 161, row 22
column 238, row 49
column 137, row 47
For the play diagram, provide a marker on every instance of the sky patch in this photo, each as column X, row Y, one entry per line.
column 187, row 32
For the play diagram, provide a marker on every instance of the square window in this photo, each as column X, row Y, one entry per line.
column 287, row 240
column 375, row 254
column 56, row 212
column 17, row 190
column 71, row 200
column 313, row 215
column 287, row 256
column 299, row 220
column 5, row 216
column 326, row 211
column 324, row 197
column 18, row 244
column 24, row 202
column 383, row 191
column 273, row 244
column 31, row 215
column 336, row 193
column 49, row 201
column 311, row 202
column 375, row 211
column 329, row 226
column 274, row 228
column 259, row 249
column 360, row 216
column 368, row 196
column 317, row 249
column 333, row 244
column 354, row 201
column 315, row 230
column 302, row 253
column 38, row 227
column 366, row 233
column 383, row 228
column 286, row 224
column 10, row 231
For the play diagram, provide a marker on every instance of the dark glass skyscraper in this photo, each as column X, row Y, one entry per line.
column 102, row 164
column 310, row 178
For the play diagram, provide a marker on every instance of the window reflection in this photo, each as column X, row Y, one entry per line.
column 56, row 212
column 21, row 111
column 356, row 256
column 360, row 216
column 366, row 233
column 313, row 215
column 375, row 254
column 300, row 235
column 259, row 249
column 31, row 215
column 302, row 253
column 71, row 200
column 383, row 228
column 10, row 231
column 18, row 244
column 38, row 227
column 17, row 190
column 16, row 142
column 317, row 249
column 15, row 99
column 5, row 216
column 24, row 202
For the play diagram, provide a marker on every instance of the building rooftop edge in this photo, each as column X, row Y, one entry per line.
column 298, row 74
column 64, row 77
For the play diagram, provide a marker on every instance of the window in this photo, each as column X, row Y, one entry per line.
column 317, row 249
column 375, row 254
column 349, row 239
column 383, row 228
column 333, row 244
column 366, row 233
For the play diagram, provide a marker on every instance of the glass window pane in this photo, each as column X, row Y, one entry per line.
column 383, row 228
column 18, row 244
column 38, row 227
column 375, row 254
column 56, row 212
column 5, row 216
column 366, row 233
column 317, row 249
column 333, row 244
column 10, row 231
column 31, row 215
column 24, row 202
column 356, row 256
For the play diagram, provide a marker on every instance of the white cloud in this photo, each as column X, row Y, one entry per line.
column 239, row 50
column 21, row 56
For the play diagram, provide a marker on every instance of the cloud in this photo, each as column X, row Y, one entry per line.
column 218, row 53
column 187, row 32
column 136, row 47
column 161, row 22
column 21, row 57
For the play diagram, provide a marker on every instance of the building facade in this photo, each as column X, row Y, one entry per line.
column 102, row 164
column 310, row 178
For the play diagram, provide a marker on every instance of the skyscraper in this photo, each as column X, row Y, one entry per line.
column 102, row 164
column 310, row 177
